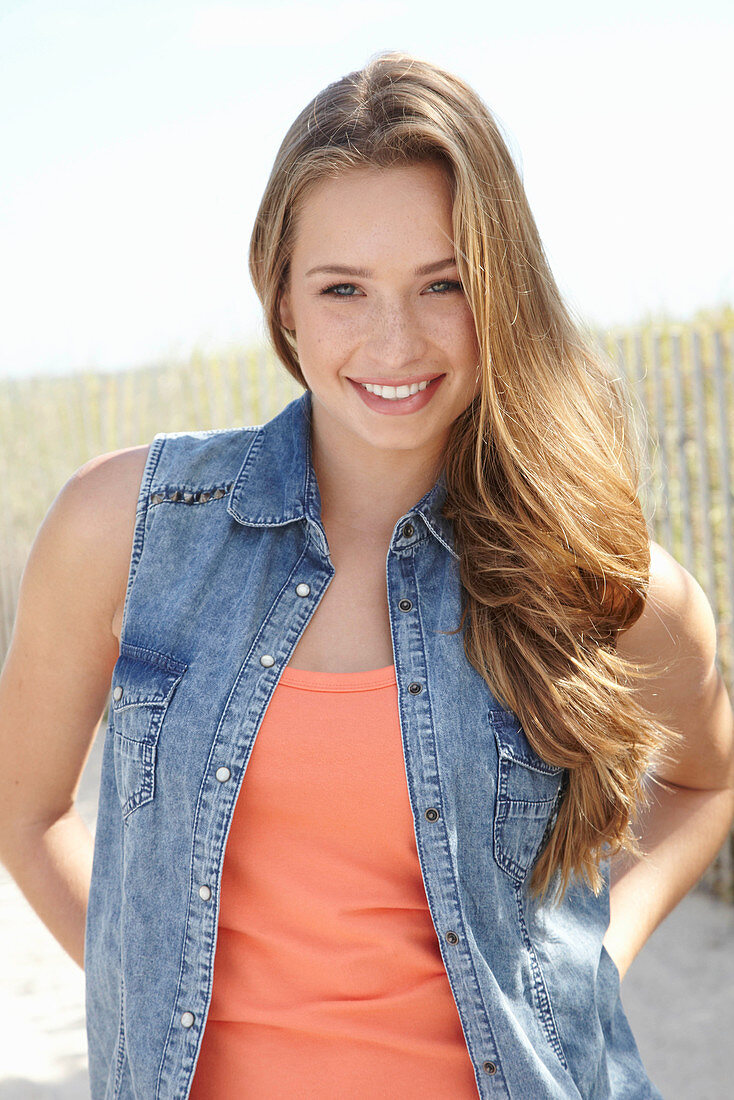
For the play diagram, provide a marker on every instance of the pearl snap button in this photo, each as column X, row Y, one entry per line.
column 223, row 774
column 187, row 1020
column 117, row 693
column 303, row 589
column 266, row 660
column 204, row 893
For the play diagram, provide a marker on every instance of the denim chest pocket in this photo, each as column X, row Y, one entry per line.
column 528, row 794
column 143, row 683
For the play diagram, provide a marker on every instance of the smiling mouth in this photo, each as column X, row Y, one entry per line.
column 397, row 393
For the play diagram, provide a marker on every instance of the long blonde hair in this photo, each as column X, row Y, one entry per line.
column 541, row 470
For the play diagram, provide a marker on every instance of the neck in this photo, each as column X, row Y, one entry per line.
column 368, row 489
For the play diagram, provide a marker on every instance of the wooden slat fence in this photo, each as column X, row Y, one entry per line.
column 681, row 378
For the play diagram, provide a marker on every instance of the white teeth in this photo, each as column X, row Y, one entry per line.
column 395, row 393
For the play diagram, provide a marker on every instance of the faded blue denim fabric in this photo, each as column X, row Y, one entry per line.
column 229, row 562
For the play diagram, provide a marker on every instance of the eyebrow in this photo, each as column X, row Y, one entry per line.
column 363, row 273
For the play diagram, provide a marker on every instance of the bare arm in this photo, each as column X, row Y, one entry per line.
column 54, row 686
column 692, row 796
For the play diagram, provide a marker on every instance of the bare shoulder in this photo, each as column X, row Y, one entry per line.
column 677, row 623
column 108, row 476
column 88, row 530
column 676, row 638
column 105, row 491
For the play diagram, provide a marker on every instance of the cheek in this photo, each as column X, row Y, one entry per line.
column 472, row 346
column 459, row 338
column 330, row 341
column 470, row 329
column 326, row 323
column 456, row 323
column 469, row 358
column 322, row 349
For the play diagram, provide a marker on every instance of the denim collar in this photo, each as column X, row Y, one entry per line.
column 276, row 483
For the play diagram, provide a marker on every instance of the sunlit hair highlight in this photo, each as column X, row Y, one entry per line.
column 542, row 470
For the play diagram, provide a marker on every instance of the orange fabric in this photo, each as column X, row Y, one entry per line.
column 328, row 978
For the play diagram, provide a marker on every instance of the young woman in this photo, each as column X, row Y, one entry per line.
column 387, row 673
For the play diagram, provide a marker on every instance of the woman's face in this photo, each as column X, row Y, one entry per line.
column 374, row 299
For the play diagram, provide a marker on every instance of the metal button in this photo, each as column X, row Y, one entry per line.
column 223, row 774
column 204, row 893
column 117, row 693
column 451, row 937
column 187, row 1020
column 490, row 1068
column 405, row 605
column 414, row 688
column 267, row 661
column 303, row 589
column 408, row 530
column 432, row 814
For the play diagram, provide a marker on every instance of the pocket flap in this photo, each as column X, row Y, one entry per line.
column 534, row 780
column 143, row 677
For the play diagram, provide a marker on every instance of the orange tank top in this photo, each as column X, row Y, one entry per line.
column 328, row 978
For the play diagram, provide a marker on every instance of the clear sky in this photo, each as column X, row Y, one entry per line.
column 136, row 138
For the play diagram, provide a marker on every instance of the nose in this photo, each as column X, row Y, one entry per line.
column 395, row 337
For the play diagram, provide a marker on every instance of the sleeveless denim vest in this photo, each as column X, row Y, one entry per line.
column 229, row 563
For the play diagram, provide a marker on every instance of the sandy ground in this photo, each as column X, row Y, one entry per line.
column 679, row 997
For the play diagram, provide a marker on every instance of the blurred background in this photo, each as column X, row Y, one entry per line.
column 136, row 141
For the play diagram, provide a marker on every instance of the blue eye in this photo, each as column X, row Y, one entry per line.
column 339, row 287
column 349, row 290
column 447, row 286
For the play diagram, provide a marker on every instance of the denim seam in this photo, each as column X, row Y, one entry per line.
column 162, row 661
column 141, row 516
column 120, row 1055
column 540, row 988
column 435, row 530
column 145, row 790
column 266, row 521
column 536, row 764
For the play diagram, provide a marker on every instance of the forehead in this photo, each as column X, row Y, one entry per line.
column 375, row 206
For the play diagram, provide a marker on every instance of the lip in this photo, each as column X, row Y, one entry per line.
column 404, row 405
column 410, row 381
